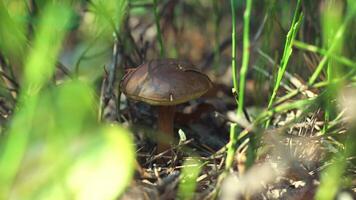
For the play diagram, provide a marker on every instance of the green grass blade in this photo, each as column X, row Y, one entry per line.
column 233, row 44
column 188, row 179
column 245, row 58
column 233, row 137
column 231, row 147
column 287, row 51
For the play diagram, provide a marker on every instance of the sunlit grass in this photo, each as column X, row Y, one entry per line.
column 188, row 178
column 232, row 142
column 245, row 57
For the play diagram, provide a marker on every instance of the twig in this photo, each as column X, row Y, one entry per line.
column 107, row 92
column 64, row 69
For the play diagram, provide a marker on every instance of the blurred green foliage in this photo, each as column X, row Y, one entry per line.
column 12, row 31
column 334, row 25
column 53, row 148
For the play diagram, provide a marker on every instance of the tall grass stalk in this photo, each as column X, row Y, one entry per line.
column 245, row 57
column 233, row 137
column 231, row 147
column 233, row 44
column 297, row 19
column 331, row 20
column 158, row 28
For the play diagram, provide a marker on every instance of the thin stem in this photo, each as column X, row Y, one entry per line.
column 107, row 92
column 287, row 52
column 245, row 57
column 231, row 147
column 297, row 18
column 233, row 137
column 233, row 48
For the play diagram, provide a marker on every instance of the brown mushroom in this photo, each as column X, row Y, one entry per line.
column 165, row 83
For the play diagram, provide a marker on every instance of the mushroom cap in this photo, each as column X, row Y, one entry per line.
column 165, row 82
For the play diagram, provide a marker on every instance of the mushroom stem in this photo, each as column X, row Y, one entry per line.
column 165, row 126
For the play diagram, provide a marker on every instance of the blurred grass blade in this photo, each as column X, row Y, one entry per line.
column 331, row 178
column 103, row 171
column 188, row 180
column 331, row 21
column 339, row 58
column 334, row 42
column 93, row 163
column 38, row 69
column 108, row 16
column 40, row 64
column 12, row 36
column 333, row 38
column 77, row 97
column 98, row 165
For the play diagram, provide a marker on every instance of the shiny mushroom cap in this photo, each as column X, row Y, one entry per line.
column 165, row 82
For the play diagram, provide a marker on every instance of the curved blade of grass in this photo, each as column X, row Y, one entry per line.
column 288, row 49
